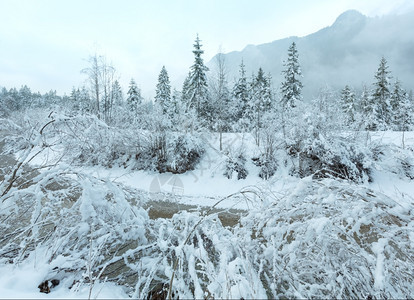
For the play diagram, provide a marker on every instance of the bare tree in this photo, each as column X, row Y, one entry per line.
column 221, row 96
column 101, row 76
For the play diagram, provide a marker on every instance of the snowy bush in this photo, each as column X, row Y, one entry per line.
column 267, row 160
column 394, row 159
column 183, row 153
column 174, row 152
column 337, row 157
column 268, row 165
column 94, row 143
column 324, row 152
column 236, row 164
column 322, row 239
column 330, row 239
column 74, row 223
column 67, row 220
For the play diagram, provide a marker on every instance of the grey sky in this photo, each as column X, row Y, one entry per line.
column 45, row 44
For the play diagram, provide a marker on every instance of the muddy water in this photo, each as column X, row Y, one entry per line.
column 164, row 209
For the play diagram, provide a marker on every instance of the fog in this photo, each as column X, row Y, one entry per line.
column 346, row 53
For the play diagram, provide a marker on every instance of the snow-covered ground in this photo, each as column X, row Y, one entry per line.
column 21, row 281
column 206, row 184
column 309, row 216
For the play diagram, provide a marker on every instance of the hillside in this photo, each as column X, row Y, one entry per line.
column 347, row 52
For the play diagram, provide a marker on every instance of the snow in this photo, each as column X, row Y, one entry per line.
column 379, row 275
column 206, row 184
column 21, row 281
column 297, row 237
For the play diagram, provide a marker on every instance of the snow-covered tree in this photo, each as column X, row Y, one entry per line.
column 176, row 107
column 261, row 92
column 84, row 100
column 163, row 91
column 220, row 98
column 260, row 102
column 117, row 94
column 197, row 86
column 291, row 88
column 402, row 112
column 348, row 104
column 366, row 110
column 134, row 96
column 240, row 95
column 7, row 103
column 101, row 76
column 185, row 92
column 107, row 78
column 74, row 97
column 381, row 96
column 188, row 119
column 326, row 109
column 25, row 96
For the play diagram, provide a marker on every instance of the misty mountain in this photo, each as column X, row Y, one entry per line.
column 347, row 52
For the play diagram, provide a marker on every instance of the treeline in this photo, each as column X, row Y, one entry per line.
column 304, row 135
column 208, row 100
column 21, row 99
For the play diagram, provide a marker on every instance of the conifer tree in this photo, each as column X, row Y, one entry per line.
column 74, row 98
column 260, row 101
column 366, row 109
column 292, row 86
column 401, row 108
column 348, row 104
column 163, row 91
column 175, row 107
column 117, row 95
column 185, row 93
column 198, row 88
column 85, row 100
column 80, row 99
column 260, row 92
column 381, row 96
column 134, row 96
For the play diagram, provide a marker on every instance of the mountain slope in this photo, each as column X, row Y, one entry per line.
column 347, row 52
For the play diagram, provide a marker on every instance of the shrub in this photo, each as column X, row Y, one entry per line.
column 236, row 164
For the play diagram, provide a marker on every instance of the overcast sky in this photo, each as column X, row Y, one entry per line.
column 45, row 44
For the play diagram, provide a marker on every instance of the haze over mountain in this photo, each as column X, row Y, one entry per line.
column 347, row 52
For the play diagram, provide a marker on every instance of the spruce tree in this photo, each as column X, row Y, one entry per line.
column 260, row 92
column 134, row 96
column 348, row 105
column 185, row 93
column 25, row 96
column 260, row 101
column 163, row 91
column 366, row 109
column 85, row 100
column 292, row 86
column 401, row 108
column 198, row 88
column 74, row 98
column 175, row 107
column 381, row 96
column 117, row 95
